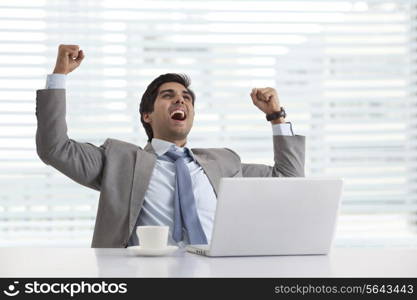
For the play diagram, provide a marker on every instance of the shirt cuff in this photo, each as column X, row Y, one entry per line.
column 55, row 81
column 282, row 129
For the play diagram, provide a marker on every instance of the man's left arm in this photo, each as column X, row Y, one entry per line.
column 289, row 149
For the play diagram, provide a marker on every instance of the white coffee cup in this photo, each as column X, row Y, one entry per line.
column 152, row 237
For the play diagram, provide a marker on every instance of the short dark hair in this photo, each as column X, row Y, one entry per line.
column 151, row 93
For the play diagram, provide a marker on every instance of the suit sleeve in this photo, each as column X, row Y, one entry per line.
column 289, row 159
column 82, row 162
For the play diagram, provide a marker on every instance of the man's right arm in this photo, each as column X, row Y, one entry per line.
column 82, row 162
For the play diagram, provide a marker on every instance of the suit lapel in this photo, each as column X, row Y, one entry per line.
column 211, row 169
column 144, row 165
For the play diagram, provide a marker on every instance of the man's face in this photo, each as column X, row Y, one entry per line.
column 173, row 114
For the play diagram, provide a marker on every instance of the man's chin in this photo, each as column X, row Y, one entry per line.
column 179, row 134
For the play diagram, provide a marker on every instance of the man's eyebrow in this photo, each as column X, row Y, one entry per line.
column 172, row 91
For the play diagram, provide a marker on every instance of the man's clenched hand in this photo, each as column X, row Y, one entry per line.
column 69, row 58
column 266, row 99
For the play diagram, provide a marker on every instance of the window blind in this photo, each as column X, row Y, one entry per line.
column 344, row 71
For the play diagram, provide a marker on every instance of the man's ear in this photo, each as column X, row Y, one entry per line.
column 147, row 118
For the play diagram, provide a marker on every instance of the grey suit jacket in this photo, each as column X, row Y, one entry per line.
column 121, row 171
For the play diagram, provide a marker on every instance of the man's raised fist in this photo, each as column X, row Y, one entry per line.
column 69, row 58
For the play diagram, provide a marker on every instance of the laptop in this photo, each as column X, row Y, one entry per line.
column 274, row 216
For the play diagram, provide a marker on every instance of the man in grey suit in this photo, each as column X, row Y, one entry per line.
column 140, row 186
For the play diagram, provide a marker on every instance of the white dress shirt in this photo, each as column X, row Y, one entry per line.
column 158, row 205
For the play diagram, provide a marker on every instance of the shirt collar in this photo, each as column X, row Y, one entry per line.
column 161, row 147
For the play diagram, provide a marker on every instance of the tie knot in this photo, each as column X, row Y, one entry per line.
column 175, row 155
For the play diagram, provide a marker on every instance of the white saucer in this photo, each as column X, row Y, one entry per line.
column 138, row 250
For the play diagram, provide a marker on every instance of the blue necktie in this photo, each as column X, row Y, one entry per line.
column 185, row 211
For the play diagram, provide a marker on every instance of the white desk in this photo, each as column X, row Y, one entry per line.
column 87, row 262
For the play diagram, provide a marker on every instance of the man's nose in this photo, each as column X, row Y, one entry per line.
column 179, row 99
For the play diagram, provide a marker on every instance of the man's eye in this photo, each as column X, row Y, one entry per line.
column 166, row 95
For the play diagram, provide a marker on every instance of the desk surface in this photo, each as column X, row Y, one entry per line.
column 87, row 262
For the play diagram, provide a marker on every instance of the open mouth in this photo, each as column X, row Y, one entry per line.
column 178, row 115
